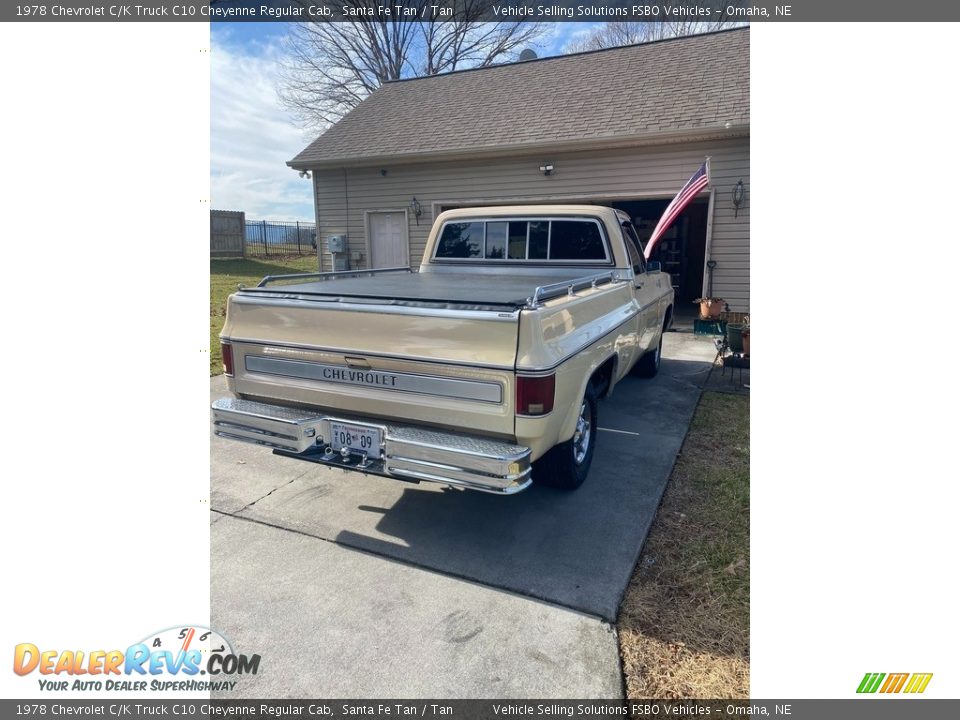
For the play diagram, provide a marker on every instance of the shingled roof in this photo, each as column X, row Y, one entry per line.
column 680, row 88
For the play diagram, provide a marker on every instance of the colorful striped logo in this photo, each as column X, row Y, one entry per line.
column 894, row 682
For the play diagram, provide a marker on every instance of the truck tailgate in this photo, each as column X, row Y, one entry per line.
column 440, row 366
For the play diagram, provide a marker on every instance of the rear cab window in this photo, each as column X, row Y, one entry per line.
column 540, row 240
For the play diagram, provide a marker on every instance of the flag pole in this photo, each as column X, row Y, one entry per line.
column 697, row 182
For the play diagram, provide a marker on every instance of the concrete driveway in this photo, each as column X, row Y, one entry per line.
column 353, row 586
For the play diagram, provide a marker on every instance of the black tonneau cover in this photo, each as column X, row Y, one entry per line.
column 476, row 290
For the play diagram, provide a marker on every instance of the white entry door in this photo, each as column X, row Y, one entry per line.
column 388, row 240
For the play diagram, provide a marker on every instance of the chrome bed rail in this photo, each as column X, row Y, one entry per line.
column 330, row 275
column 569, row 287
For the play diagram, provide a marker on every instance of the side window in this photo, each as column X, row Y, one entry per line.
column 496, row 245
column 461, row 240
column 632, row 242
column 575, row 240
column 517, row 240
column 539, row 235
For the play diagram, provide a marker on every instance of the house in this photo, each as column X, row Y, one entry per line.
column 624, row 127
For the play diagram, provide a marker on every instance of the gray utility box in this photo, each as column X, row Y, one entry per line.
column 337, row 243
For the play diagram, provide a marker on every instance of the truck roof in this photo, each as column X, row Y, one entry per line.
column 519, row 210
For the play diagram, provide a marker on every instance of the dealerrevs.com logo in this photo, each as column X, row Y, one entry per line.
column 910, row 683
column 180, row 658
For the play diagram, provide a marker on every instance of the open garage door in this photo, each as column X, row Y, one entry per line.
column 682, row 249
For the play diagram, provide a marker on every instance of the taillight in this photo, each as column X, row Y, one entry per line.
column 535, row 394
column 226, row 350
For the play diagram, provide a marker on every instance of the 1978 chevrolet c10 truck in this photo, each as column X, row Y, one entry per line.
column 482, row 370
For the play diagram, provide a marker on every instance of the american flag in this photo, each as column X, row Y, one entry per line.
column 700, row 180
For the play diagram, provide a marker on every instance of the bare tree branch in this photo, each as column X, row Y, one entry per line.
column 330, row 67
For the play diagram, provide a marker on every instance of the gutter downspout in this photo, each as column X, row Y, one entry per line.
column 316, row 221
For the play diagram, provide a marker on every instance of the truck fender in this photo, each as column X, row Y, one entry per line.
column 570, row 419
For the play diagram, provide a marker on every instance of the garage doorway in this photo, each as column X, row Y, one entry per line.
column 681, row 250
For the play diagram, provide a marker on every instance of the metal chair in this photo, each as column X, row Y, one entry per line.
column 721, row 345
column 733, row 342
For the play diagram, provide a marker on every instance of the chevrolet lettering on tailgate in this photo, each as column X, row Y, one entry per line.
column 481, row 370
column 490, row 392
column 356, row 376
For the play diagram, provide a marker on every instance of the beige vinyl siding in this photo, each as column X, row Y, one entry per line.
column 344, row 195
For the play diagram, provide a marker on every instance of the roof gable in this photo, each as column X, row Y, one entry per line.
column 672, row 87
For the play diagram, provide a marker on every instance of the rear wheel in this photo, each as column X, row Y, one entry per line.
column 648, row 365
column 566, row 465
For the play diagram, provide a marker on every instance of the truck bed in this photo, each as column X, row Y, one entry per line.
column 487, row 290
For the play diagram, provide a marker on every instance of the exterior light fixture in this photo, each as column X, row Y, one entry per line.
column 416, row 208
column 739, row 195
column 546, row 168
column 305, row 174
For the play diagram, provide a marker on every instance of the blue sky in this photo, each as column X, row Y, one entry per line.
column 252, row 136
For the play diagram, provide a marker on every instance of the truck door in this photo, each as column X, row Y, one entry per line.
column 646, row 288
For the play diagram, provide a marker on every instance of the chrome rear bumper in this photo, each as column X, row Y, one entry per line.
column 407, row 452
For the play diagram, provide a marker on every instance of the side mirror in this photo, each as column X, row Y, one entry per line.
column 653, row 266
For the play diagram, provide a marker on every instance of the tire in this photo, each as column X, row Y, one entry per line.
column 565, row 466
column 649, row 364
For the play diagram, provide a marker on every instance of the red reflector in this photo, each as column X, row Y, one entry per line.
column 226, row 349
column 535, row 394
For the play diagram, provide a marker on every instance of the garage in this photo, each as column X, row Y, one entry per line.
column 604, row 127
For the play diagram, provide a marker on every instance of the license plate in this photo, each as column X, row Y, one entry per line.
column 359, row 438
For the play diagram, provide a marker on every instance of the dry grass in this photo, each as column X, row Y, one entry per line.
column 684, row 626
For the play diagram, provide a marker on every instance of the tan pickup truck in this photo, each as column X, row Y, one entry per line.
column 482, row 369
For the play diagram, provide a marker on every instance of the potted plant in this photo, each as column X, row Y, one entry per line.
column 710, row 307
column 746, row 339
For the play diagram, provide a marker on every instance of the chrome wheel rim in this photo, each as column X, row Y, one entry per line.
column 582, row 434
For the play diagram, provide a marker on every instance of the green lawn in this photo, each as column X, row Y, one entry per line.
column 225, row 275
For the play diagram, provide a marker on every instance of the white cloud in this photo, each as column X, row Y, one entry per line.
column 561, row 35
column 581, row 32
column 252, row 138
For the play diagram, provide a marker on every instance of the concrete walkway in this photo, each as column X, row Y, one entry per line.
column 353, row 586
